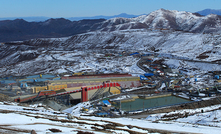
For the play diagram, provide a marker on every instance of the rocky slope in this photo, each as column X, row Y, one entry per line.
column 39, row 55
column 178, row 43
column 167, row 19
column 173, row 34
column 15, row 30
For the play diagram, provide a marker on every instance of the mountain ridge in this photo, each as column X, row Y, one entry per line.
column 43, row 18
column 160, row 19
column 20, row 29
column 209, row 11
column 168, row 19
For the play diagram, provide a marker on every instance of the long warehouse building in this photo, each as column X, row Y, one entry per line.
column 125, row 82
column 76, row 82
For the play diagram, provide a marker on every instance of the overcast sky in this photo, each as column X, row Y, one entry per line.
column 88, row 8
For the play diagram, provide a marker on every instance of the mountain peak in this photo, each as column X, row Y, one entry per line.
column 57, row 20
column 20, row 20
column 209, row 11
column 162, row 9
column 123, row 14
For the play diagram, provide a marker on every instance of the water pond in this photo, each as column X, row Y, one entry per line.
column 140, row 104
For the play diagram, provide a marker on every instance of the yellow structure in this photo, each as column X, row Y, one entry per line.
column 79, row 73
column 219, row 81
column 76, row 84
column 56, row 87
column 49, row 87
column 93, row 80
column 114, row 90
column 39, row 88
column 15, row 88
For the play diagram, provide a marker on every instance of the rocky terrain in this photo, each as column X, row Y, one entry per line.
column 182, row 37
column 19, row 29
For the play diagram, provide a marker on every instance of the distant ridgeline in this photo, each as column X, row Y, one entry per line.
column 19, row 29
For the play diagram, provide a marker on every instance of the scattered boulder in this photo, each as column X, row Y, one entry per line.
column 129, row 126
column 54, row 130
column 81, row 132
column 33, row 132
column 70, row 116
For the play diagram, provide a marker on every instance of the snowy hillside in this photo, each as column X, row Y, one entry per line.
column 167, row 19
column 57, row 62
column 76, row 53
column 182, row 44
column 182, row 36
column 39, row 118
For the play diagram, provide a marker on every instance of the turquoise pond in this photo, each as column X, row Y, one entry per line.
column 140, row 104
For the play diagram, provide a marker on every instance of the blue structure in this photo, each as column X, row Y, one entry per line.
column 148, row 74
column 102, row 114
column 46, row 76
column 9, row 78
column 106, row 102
column 7, row 81
column 216, row 77
column 143, row 77
column 27, row 80
column 41, row 80
column 195, row 79
column 134, row 53
column 21, row 85
column 57, row 78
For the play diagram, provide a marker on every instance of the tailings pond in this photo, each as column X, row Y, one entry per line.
column 151, row 102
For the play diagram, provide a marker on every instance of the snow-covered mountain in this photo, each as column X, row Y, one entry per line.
column 85, row 52
column 160, row 19
column 174, row 34
column 166, row 19
column 178, row 43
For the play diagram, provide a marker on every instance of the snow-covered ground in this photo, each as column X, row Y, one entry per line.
column 57, row 62
column 36, row 117
column 88, row 50
column 188, row 65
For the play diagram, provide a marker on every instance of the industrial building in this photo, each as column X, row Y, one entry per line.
column 95, row 87
column 74, row 83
